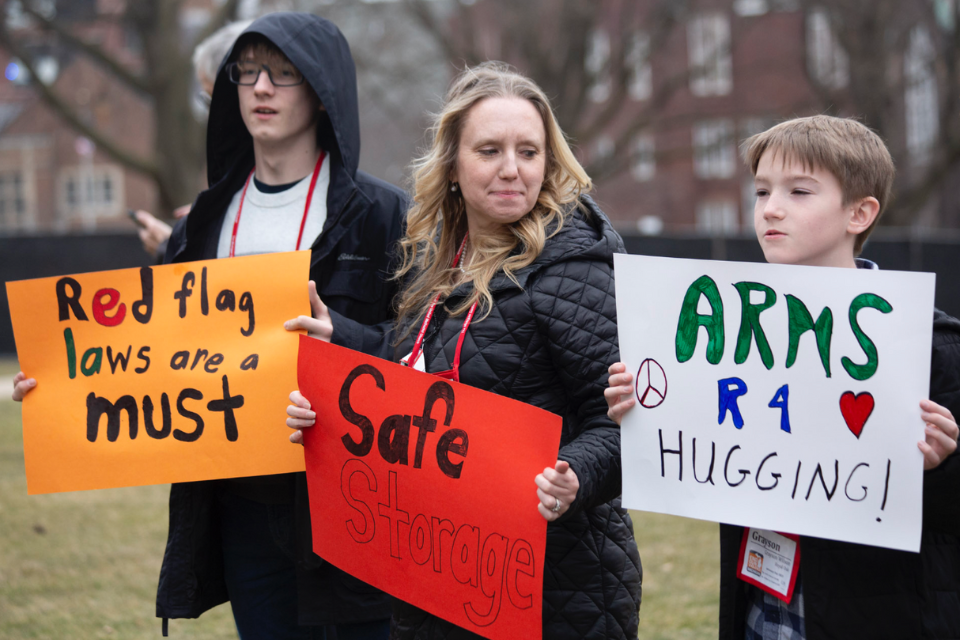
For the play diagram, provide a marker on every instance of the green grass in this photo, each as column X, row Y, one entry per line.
column 8, row 366
column 85, row 564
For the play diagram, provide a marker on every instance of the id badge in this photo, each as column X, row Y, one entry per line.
column 770, row 561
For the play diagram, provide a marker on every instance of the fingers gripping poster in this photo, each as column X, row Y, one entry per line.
column 162, row 374
column 778, row 397
column 424, row 488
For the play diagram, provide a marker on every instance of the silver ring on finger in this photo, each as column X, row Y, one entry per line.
column 556, row 507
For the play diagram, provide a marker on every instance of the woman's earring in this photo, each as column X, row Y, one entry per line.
column 454, row 187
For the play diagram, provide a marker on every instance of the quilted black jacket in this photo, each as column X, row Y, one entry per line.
column 548, row 342
column 856, row 591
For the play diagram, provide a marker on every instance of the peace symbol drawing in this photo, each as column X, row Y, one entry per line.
column 651, row 384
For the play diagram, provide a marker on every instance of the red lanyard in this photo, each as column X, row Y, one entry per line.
column 454, row 373
column 306, row 208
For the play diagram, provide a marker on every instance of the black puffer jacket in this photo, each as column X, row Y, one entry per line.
column 350, row 261
column 857, row 591
column 548, row 342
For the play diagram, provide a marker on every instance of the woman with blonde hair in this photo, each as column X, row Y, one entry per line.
column 508, row 286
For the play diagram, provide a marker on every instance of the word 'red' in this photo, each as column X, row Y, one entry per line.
column 393, row 438
column 799, row 322
column 108, row 300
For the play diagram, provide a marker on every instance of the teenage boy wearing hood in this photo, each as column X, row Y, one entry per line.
column 283, row 144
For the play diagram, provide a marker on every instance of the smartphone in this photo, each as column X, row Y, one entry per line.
column 133, row 216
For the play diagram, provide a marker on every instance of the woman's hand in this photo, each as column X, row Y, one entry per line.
column 619, row 392
column 320, row 325
column 22, row 385
column 941, row 434
column 557, row 489
column 301, row 417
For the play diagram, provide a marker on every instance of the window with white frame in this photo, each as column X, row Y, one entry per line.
column 920, row 100
column 827, row 61
column 717, row 217
column 13, row 203
column 91, row 191
column 708, row 43
column 640, row 81
column 714, row 149
column 597, row 64
column 643, row 164
column 750, row 7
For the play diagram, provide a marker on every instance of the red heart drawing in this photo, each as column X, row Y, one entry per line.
column 856, row 409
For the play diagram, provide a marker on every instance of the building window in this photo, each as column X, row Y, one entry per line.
column 597, row 64
column 91, row 192
column 717, row 217
column 643, row 164
column 922, row 112
column 945, row 12
column 827, row 61
column 640, row 82
column 711, row 67
column 714, row 151
column 750, row 7
column 13, row 204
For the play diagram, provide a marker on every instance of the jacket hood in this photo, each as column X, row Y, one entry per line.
column 321, row 53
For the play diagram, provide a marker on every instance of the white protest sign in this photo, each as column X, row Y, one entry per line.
column 778, row 397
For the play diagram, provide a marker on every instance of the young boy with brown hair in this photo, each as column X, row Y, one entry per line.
column 822, row 183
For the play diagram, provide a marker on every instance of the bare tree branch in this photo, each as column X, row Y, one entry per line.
column 143, row 165
column 94, row 52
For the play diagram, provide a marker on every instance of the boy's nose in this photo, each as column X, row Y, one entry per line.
column 263, row 84
column 773, row 208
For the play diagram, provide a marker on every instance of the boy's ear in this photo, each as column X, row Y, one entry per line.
column 864, row 213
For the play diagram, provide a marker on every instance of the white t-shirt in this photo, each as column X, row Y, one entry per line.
column 270, row 222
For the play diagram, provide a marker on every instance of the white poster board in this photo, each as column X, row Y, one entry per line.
column 739, row 422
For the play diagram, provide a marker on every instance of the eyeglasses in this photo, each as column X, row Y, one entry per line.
column 247, row 73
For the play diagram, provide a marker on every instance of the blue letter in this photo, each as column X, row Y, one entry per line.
column 780, row 402
column 728, row 399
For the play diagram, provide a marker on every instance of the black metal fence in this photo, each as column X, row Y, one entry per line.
column 42, row 256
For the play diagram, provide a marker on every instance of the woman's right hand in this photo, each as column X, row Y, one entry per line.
column 300, row 416
column 320, row 325
column 22, row 385
column 619, row 392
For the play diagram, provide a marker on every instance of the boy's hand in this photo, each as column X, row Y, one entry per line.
column 22, row 386
column 320, row 325
column 941, row 437
column 301, row 416
column 619, row 392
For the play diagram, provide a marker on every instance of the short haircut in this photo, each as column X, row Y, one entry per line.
column 855, row 155
column 208, row 55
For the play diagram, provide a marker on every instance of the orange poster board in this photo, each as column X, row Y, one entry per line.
column 424, row 488
column 172, row 373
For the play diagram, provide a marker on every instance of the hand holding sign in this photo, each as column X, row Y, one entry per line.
column 320, row 326
column 941, row 434
column 619, row 392
column 22, row 386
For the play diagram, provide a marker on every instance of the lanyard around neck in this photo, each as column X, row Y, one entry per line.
column 454, row 373
column 306, row 207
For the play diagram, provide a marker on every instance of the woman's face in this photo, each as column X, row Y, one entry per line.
column 500, row 162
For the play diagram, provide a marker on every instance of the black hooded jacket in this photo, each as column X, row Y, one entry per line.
column 857, row 591
column 351, row 261
column 548, row 341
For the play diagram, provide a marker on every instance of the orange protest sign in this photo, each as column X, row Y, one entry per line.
column 162, row 374
column 424, row 488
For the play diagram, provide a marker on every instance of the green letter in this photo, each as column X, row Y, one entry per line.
column 864, row 371
column 89, row 370
column 800, row 322
column 750, row 322
column 71, row 353
column 688, row 327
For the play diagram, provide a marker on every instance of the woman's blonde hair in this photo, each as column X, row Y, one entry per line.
column 436, row 221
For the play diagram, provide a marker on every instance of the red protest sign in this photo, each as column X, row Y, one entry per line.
column 424, row 488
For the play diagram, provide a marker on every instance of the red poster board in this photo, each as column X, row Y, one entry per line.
column 424, row 488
